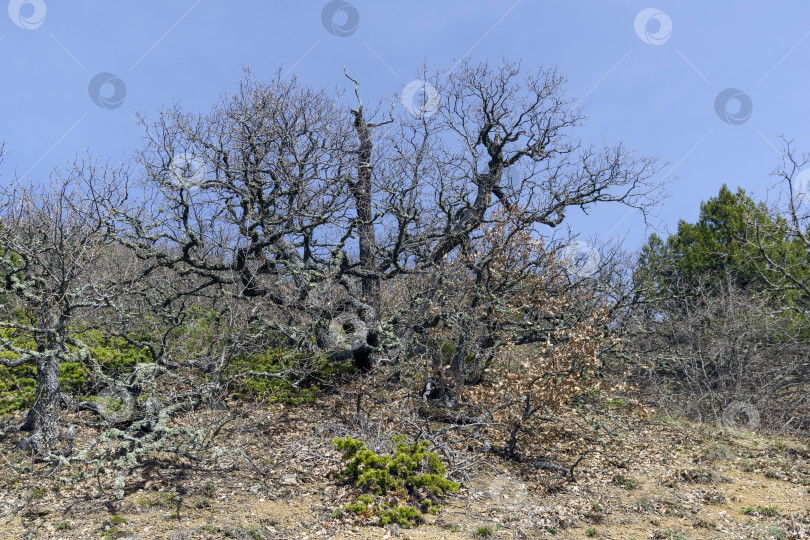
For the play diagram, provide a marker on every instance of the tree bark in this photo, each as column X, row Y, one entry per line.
column 361, row 192
column 43, row 417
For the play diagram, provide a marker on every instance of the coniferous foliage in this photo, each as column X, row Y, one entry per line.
column 720, row 318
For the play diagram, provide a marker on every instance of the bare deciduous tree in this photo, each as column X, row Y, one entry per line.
column 784, row 242
column 55, row 286
column 350, row 236
column 317, row 208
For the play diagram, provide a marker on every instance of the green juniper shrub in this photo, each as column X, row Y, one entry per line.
column 18, row 384
column 280, row 375
column 268, row 371
column 115, row 355
column 413, row 475
column 17, row 388
column 447, row 350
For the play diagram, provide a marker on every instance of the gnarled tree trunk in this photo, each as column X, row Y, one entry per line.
column 43, row 417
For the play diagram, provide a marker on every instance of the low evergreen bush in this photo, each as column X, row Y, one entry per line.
column 412, row 477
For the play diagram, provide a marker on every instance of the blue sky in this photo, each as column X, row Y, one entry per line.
column 652, row 85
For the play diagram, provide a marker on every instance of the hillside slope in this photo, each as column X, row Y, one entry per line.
column 274, row 479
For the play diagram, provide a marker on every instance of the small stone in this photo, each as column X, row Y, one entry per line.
column 289, row 480
column 23, row 444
